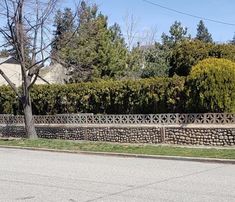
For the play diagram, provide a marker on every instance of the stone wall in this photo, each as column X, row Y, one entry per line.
column 200, row 136
column 210, row 135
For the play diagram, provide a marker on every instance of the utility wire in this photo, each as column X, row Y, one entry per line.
column 188, row 14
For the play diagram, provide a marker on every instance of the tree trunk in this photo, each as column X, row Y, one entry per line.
column 29, row 121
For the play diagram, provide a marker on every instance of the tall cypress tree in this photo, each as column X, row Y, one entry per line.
column 202, row 33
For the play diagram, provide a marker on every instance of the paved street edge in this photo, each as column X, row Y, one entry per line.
column 126, row 155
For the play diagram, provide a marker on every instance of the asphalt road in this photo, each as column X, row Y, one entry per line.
column 45, row 176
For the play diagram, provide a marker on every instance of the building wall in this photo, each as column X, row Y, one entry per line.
column 13, row 72
column 53, row 74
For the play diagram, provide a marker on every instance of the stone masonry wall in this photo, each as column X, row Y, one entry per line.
column 201, row 136
column 106, row 134
column 182, row 135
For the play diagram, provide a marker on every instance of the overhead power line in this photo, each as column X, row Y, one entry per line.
column 188, row 14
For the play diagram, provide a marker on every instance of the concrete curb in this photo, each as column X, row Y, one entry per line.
column 125, row 155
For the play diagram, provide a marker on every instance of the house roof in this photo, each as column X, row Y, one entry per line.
column 9, row 60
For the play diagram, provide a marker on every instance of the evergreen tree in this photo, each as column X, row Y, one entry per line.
column 233, row 40
column 202, row 33
column 64, row 24
column 177, row 32
column 96, row 51
column 156, row 62
column 135, row 62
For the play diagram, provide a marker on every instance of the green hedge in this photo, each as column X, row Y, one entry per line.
column 8, row 101
column 158, row 95
column 155, row 95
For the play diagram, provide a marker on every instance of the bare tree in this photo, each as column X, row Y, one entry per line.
column 27, row 32
column 131, row 23
column 149, row 37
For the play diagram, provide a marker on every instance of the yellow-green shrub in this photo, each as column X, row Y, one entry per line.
column 211, row 86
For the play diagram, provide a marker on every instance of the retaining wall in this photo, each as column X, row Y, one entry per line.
column 210, row 135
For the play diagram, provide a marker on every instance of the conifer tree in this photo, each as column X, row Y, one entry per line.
column 64, row 24
column 202, row 33
column 97, row 50
column 177, row 34
column 233, row 40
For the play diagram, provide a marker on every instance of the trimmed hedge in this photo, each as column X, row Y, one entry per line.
column 155, row 95
column 8, row 101
column 207, row 90
column 158, row 95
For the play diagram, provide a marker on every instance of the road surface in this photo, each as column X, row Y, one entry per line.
column 60, row 177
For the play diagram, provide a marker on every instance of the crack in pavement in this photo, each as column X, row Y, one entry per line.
column 153, row 183
column 50, row 186
column 25, row 198
column 71, row 179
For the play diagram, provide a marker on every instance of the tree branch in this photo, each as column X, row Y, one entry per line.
column 10, row 83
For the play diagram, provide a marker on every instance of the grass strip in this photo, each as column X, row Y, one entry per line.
column 122, row 148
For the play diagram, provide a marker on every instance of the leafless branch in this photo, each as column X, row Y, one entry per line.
column 131, row 23
column 10, row 83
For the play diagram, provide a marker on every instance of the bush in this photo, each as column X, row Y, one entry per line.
column 155, row 95
column 226, row 51
column 8, row 101
column 188, row 53
column 211, row 86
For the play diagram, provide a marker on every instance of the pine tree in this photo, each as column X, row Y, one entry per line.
column 177, row 34
column 97, row 51
column 202, row 33
column 233, row 40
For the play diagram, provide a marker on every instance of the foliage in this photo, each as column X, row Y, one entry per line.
column 177, row 32
column 233, row 40
column 64, row 24
column 156, row 95
column 155, row 62
column 226, row 51
column 9, row 103
column 97, row 51
column 211, row 86
column 202, row 33
column 212, row 92
column 135, row 62
column 187, row 54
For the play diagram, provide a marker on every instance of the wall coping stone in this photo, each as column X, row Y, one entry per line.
column 130, row 125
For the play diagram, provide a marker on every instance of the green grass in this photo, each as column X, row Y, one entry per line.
column 122, row 148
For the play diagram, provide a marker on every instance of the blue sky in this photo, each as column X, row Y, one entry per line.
column 150, row 16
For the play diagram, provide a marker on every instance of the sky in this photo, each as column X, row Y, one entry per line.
column 151, row 17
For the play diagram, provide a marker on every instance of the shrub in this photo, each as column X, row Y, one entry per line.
column 155, row 95
column 188, row 53
column 211, row 86
column 8, row 101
